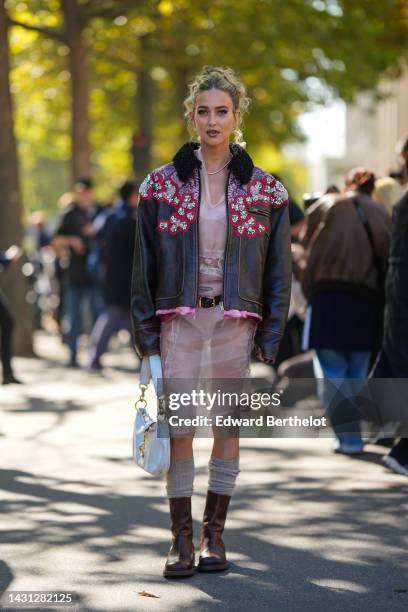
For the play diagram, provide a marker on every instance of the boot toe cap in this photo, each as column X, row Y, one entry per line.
column 212, row 563
column 178, row 569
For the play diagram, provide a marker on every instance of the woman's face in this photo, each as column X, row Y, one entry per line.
column 214, row 117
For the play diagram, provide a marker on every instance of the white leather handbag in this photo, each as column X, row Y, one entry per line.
column 151, row 441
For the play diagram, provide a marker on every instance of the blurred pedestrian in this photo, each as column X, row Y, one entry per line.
column 61, row 268
column 332, row 188
column 96, row 257
column 387, row 191
column 38, row 229
column 402, row 150
column 74, row 233
column 297, row 219
column 119, row 238
column 7, row 258
column 346, row 242
column 41, row 260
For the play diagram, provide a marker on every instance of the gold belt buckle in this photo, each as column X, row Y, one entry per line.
column 213, row 305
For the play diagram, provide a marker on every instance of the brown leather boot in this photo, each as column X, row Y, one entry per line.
column 212, row 549
column 180, row 560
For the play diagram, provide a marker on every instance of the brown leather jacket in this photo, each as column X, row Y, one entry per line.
column 257, row 266
column 339, row 255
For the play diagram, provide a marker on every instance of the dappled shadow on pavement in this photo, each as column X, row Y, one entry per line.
column 59, row 410
column 295, row 540
column 52, row 370
column 307, row 530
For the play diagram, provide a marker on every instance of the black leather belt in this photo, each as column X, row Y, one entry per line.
column 209, row 302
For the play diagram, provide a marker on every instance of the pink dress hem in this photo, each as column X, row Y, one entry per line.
column 185, row 310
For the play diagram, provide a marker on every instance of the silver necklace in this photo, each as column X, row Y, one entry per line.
column 217, row 171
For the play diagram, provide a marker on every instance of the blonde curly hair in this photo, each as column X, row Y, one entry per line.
column 224, row 79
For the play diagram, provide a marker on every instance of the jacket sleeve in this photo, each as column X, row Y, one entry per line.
column 316, row 217
column 277, row 285
column 146, row 325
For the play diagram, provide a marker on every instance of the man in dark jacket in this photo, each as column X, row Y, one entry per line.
column 118, row 261
column 393, row 359
column 74, row 233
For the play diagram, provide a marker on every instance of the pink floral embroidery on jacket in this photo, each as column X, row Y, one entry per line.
column 262, row 189
column 183, row 199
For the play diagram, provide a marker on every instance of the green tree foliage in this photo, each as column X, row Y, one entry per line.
column 290, row 53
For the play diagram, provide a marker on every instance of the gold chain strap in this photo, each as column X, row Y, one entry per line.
column 161, row 413
column 141, row 400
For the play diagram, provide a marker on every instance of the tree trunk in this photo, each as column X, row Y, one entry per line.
column 80, row 126
column 11, row 229
column 143, row 139
column 181, row 91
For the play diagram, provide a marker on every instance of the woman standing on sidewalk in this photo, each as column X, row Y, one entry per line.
column 211, row 278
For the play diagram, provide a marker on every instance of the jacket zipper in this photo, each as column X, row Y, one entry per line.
column 224, row 282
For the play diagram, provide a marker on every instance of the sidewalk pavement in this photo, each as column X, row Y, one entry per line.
column 307, row 529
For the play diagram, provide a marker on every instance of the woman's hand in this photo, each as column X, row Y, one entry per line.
column 77, row 244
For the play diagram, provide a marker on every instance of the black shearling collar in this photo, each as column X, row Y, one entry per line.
column 185, row 162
